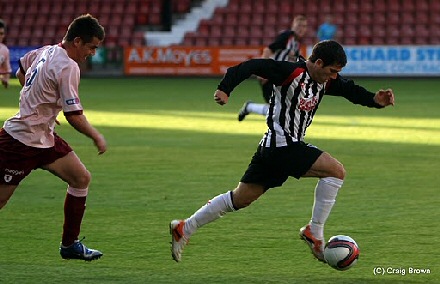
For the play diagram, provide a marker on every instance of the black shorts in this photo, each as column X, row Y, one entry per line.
column 270, row 167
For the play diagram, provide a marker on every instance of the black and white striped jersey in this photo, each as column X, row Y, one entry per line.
column 296, row 96
column 285, row 47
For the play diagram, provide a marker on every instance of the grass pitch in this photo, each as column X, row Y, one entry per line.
column 171, row 148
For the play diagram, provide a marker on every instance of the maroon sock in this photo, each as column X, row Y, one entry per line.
column 74, row 208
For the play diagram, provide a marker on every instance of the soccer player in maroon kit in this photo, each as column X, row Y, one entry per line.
column 50, row 77
column 5, row 65
column 282, row 152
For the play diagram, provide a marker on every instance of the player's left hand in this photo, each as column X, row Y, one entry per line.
column 384, row 97
column 221, row 97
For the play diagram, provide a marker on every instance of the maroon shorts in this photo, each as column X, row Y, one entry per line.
column 18, row 160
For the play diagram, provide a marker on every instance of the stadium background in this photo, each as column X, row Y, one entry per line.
column 197, row 29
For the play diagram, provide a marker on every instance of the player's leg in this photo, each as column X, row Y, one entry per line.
column 258, row 108
column 6, row 192
column 240, row 197
column 262, row 109
column 331, row 174
column 258, row 177
column 70, row 169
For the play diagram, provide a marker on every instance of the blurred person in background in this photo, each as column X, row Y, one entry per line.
column 327, row 30
column 285, row 47
column 5, row 64
column 50, row 77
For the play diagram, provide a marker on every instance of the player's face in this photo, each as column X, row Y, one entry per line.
column 300, row 28
column 323, row 74
column 86, row 49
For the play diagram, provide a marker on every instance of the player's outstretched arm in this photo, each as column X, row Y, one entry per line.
column 220, row 97
column 80, row 123
column 384, row 97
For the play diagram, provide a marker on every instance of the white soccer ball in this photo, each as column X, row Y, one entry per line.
column 341, row 252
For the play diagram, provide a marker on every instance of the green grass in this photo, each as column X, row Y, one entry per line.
column 171, row 148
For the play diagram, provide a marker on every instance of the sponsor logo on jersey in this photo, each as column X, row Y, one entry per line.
column 308, row 104
column 14, row 172
column 73, row 101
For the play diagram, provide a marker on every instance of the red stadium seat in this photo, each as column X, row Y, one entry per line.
column 229, row 31
column 407, row 31
column 240, row 41
column 338, row 7
column 393, row 5
column 422, row 17
column 200, row 41
column 434, row 18
column 377, row 40
column 434, row 6
column 258, row 20
column 379, row 6
column 365, row 19
column 407, row 18
column 227, row 41
column 393, row 18
column 423, row 5
column 352, row 7
column 216, row 31
column 351, row 19
column 255, row 41
column 366, row 6
column 408, row 6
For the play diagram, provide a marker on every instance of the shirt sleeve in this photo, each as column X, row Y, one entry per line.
column 280, row 41
column 275, row 71
column 354, row 93
column 26, row 60
column 68, row 88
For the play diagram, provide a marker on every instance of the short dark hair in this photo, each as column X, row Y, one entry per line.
column 330, row 52
column 86, row 27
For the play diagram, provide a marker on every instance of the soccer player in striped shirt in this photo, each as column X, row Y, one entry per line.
column 5, row 65
column 286, row 47
column 50, row 77
column 282, row 152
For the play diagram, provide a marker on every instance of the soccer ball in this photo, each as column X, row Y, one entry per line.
column 341, row 252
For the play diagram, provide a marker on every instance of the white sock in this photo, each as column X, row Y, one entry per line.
column 257, row 108
column 325, row 197
column 211, row 211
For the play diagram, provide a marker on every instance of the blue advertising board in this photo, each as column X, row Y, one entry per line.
column 397, row 61
column 15, row 52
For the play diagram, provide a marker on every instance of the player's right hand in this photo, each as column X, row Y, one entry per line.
column 220, row 97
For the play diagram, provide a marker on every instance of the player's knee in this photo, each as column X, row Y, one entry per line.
column 339, row 171
column 82, row 181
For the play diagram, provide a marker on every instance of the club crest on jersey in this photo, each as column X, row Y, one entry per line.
column 7, row 178
column 308, row 104
column 73, row 101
